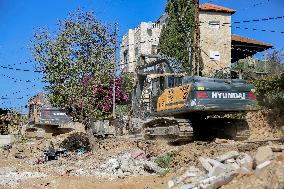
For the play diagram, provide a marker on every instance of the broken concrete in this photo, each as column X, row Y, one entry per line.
column 218, row 170
column 216, row 182
column 277, row 148
column 152, row 167
column 206, row 165
column 263, row 154
column 229, row 155
column 6, row 139
column 261, row 166
column 11, row 177
column 245, row 160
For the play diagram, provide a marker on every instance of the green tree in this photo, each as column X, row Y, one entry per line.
column 177, row 34
column 77, row 63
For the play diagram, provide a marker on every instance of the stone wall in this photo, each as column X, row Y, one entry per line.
column 215, row 40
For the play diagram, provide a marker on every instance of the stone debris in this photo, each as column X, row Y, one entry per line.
column 263, row 154
column 11, row 177
column 217, row 172
column 124, row 165
column 277, row 148
column 261, row 166
column 228, row 155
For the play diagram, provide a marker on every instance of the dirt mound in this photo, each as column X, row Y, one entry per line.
column 75, row 141
column 189, row 153
column 265, row 124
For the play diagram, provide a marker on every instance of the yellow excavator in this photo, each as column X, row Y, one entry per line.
column 173, row 105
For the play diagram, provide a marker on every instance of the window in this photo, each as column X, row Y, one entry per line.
column 154, row 49
column 215, row 55
column 150, row 32
column 214, row 24
column 174, row 81
column 155, row 87
column 125, row 56
column 136, row 52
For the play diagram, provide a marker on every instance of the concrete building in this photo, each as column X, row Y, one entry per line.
column 142, row 40
column 216, row 41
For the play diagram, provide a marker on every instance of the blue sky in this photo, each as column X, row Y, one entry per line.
column 19, row 19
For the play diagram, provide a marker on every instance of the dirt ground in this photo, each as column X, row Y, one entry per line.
column 23, row 155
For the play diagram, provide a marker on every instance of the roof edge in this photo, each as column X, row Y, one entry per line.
column 215, row 8
column 243, row 39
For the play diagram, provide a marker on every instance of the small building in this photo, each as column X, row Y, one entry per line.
column 219, row 48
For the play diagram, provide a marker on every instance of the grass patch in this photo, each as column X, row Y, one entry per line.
column 164, row 161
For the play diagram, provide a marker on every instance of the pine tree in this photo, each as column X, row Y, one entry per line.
column 177, row 34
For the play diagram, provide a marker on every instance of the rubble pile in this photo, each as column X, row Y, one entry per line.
column 11, row 177
column 127, row 164
column 221, row 170
column 75, row 141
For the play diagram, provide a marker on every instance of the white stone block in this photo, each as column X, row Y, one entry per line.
column 6, row 139
column 261, row 166
column 218, row 170
column 206, row 165
column 228, row 155
column 263, row 154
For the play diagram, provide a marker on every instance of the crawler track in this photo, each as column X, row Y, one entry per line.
column 173, row 130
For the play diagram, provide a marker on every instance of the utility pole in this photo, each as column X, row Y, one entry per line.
column 196, row 40
column 114, row 71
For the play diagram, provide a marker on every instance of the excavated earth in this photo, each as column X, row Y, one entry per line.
column 19, row 167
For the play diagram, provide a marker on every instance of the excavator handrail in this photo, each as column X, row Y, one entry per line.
column 160, row 59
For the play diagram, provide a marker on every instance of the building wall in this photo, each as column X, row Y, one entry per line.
column 215, row 40
column 142, row 40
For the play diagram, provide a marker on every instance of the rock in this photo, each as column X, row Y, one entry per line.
column 277, row 148
column 228, row 155
column 152, row 167
column 139, row 154
column 232, row 164
column 20, row 156
column 193, row 174
column 220, row 141
column 208, row 181
column 7, row 147
column 120, row 174
column 217, row 182
column 263, row 154
column 261, row 166
column 171, row 183
column 245, row 160
column 218, row 170
column 243, row 170
column 206, row 165
column 187, row 186
column 113, row 163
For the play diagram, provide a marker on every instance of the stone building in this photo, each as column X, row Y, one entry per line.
column 216, row 40
column 215, row 37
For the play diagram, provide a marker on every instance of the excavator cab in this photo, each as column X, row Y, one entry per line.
column 160, row 83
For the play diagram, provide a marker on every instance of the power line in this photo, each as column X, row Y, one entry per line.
column 18, row 92
column 20, row 80
column 19, row 69
column 259, row 20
